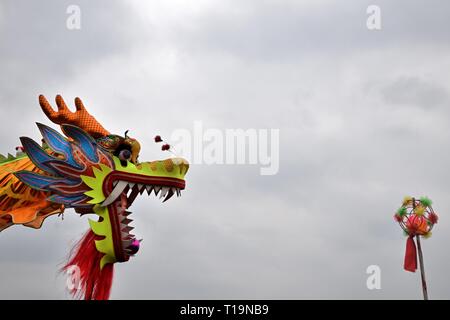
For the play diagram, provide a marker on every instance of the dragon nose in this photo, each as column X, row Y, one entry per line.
column 177, row 163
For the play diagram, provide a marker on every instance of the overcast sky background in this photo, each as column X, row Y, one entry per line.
column 363, row 116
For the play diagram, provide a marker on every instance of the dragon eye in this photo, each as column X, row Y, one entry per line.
column 125, row 155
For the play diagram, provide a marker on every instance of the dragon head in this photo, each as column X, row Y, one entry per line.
column 96, row 172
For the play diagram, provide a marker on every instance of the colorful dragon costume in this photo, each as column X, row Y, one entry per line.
column 92, row 171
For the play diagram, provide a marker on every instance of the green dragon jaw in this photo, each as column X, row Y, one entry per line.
column 113, row 193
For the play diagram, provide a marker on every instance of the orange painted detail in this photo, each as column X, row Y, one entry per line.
column 80, row 118
column 19, row 204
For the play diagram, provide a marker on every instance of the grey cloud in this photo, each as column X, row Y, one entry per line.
column 281, row 31
column 351, row 146
column 414, row 91
column 38, row 52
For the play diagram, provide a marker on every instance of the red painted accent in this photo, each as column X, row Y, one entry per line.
column 117, row 234
column 95, row 284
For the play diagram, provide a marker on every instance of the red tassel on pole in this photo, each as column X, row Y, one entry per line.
column 417, row 218
column 95, row 284
column 410, row 255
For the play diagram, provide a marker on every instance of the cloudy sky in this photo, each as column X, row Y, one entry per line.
column 363, row 117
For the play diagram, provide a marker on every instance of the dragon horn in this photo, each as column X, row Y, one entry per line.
column 80, row 118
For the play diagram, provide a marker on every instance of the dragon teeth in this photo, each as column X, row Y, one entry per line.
column 164, row 191
column 129, row 192
column 126, row 221
column 127, row 243
column 169, row 194
column 121, row 185
column 127, row 229
column 132, row 189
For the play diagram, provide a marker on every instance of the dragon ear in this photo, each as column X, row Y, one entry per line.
column 86, row 142
column 37, row 155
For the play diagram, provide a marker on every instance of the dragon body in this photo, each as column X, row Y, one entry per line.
column 93, row 172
